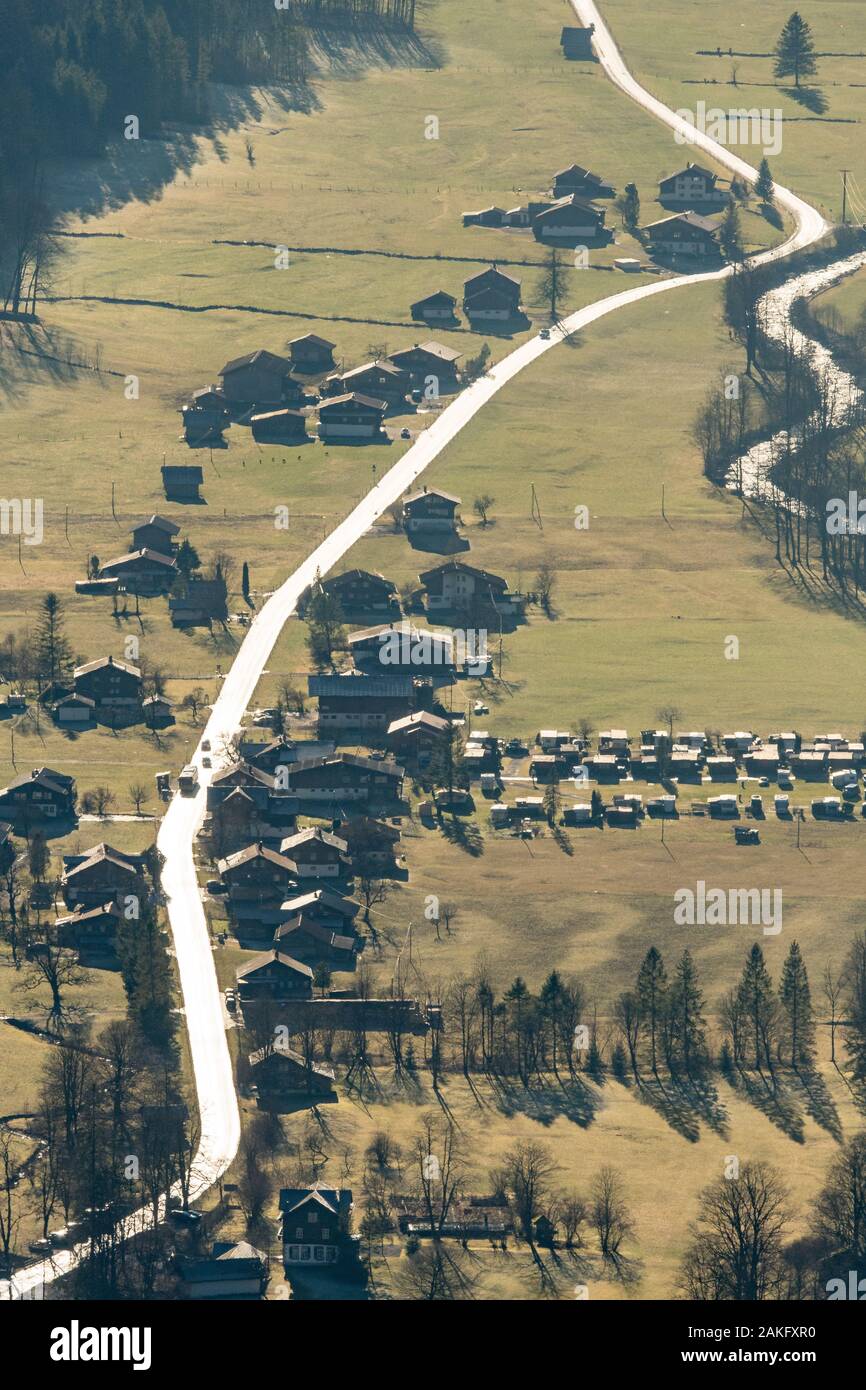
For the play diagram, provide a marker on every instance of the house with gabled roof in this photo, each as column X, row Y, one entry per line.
column 91, row 932
column 309, row 941
column 114, row 686
column 484, row 217
column 491, row 296
column 236, row 1270
column 684, row 234
column 257, row 377
column 280, row 426
column 141, row 571
column 439, row 307
column 324, row 906
column 156, row 534
column 316, row 1226
column 351, row 416
column 568, row 219
column 457, row 587
column 430, row 359
column 575, row 179
column 257, row 873
column 279, row 1074
column 316, row 853
column 356, row 590
column 103, row 874
column 431, row 509
column 311, row 355
column 43, row 797
column 345, row 777
column 382, row 380
column 694, row 186
column 273, row 975
column 358, row 700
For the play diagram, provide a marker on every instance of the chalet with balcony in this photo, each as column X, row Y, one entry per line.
column 685, row 234
column 383, row 381
column 316, row 853
column 455, row 587
column 357, row 592
column 91, row 932
column 693, row 187
column 44, row 797
column 429, row 362
column 349, row 417
column 360, row 701
column 103, row 874
column 430, row 510
column 316, row 1226
column 343, row 778
column 273, row 975
column 113, row 686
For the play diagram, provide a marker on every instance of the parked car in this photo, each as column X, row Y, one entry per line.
column 545, row 334
column 405, row 433
column 182, row 1217
column 231, row 999
column 205, row 745
column 216, row 887
column 65, row 1236
column 205, row 761
column 40, row 1247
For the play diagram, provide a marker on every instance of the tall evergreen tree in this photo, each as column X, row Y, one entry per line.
column 855, row 1006
column 628, row 205
column 53, row 654
column 795, row 50
column 757, row 1001
column 652, row 994
column 730, row 235
column 798, row 1024
column 688, row 1024
column 764, row 186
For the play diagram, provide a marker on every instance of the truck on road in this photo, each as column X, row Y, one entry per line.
column 188, row 780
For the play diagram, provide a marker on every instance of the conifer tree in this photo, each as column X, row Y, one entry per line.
column 795, row 50
column 798, row 1024
column 652, row 992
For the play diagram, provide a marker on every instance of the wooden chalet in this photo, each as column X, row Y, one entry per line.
column 439, row 307
column 311, row 355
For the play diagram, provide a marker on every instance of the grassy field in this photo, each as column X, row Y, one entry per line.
column 644, row 601
column 677, row 60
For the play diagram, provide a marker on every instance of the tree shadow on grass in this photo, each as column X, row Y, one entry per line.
column 548, row 1100
column 671, row 1105
column 812, row 98
column 818, row 1102
column 769, row 1096
column 464, row 834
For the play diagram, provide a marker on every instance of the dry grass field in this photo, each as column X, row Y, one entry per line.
column 644, row 600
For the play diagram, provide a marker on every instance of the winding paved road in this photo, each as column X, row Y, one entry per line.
column 220, row 1121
